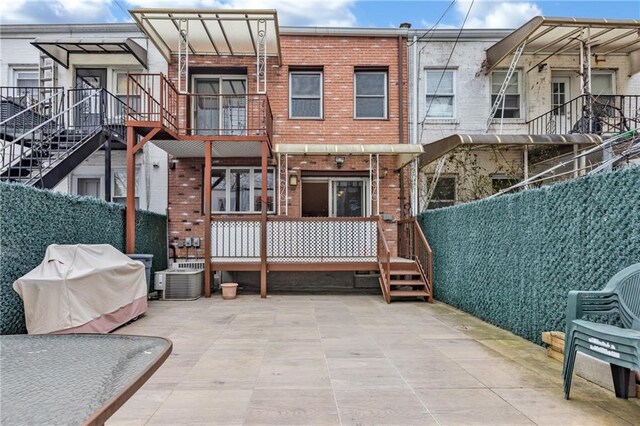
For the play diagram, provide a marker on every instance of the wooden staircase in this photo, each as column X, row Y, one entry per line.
column 409, row 275
column 407, row 280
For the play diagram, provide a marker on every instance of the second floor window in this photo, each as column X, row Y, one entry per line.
column 511, row 96
column 444, row 194
column 305, row 94
column 441, row 93
column 370, row 94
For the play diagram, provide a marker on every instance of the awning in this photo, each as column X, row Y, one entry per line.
column 211, row 32
column 554, row 36
column 404, row 152
column 436, row 149
column 219, row 149
column 61, row 49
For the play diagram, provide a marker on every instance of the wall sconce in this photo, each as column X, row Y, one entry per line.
column 339, row 162
column 293, row 179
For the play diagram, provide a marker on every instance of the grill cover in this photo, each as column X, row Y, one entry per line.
column 82, row 288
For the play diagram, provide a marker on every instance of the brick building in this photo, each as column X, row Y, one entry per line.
column 318, row 114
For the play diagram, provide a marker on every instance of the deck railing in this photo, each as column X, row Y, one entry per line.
column 605, row 114
column 156, row 100
column 412, row 244
column 384, row 263
column 289, row 240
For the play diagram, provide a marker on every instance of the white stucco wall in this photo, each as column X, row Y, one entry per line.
column 17, row 52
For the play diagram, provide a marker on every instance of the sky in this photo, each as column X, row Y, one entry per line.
column 345, row 13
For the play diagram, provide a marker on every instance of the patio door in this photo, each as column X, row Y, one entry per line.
column 334, row 197
column 560, row 95
column 88, row 82
column 219, row 105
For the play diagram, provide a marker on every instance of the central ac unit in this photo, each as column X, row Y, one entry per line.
column 180, row 284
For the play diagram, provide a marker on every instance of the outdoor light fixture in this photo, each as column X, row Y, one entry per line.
column 339, row 162
column 293, row 179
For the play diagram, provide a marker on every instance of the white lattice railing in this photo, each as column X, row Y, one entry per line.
column 296, row 240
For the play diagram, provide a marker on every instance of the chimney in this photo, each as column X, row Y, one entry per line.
column 406, row 25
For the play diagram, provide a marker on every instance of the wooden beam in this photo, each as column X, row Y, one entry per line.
column 207, row 219
column 130, row 210
column 146, row 139
column 263, row 223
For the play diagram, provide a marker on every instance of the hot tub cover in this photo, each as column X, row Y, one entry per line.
column 82, row 288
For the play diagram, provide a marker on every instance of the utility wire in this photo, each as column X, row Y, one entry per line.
column 455, row 43
column 430, row 30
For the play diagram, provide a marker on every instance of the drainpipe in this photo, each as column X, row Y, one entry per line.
column 414, row 134
column 401, row 113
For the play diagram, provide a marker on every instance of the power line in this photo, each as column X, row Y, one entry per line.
column 433, row 26
column 455, row 43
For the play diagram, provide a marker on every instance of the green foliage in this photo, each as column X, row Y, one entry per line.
column 512, row 260
column 32, row 219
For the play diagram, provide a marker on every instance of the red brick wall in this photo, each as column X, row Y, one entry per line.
column 338, row 56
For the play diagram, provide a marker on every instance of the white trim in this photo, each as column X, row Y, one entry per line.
column 74, row 183
column 252, row 173
column 522, row 105
column 454, row 94
column 321, row 116
column 220, row 78
column 386, row 95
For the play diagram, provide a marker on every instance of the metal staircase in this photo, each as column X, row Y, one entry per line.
column 44, row 141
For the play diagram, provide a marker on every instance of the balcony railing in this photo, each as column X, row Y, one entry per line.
column 156, row 99
column 605, row 114
column 291, row 240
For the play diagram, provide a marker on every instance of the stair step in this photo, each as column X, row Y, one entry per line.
column 409, row 293
column 406, row 282
column 404, row 272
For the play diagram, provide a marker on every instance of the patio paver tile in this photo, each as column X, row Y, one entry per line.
column 292, row 407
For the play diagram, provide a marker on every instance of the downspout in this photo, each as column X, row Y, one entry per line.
column 401, row 118
column 414, row 134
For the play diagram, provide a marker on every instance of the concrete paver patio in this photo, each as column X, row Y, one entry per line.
column 351, row 359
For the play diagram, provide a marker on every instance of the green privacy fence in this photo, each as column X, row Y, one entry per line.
column 512, row 260
column 32, row 219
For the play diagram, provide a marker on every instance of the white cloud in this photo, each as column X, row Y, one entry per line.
column 66, row 11
column 496, row 14
column 290, row 12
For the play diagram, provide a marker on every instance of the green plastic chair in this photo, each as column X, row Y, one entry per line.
column 618, row 346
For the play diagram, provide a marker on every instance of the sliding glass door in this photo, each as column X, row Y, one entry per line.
column 219, row 105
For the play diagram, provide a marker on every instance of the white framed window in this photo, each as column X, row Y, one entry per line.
column 305, row 94
column 440, row 89
column 370, row 94
column 88, row 186
column 602, row 83
column 119, row 186
column 239, row 189
column 121, row 91
column 26, row 77
column 445, row 193
column 512, row 96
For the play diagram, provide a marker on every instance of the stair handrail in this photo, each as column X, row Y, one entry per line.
column 384, row 262
column 422, row 248
column 32, row 107
column 51, row 119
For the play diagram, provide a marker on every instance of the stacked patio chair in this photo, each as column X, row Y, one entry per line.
column 618, row 346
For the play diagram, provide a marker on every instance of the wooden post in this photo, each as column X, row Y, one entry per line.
column 207, row 219
column 263, row 223
column 130, row 210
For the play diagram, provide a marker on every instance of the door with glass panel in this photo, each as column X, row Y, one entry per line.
column 334, row 197
column 89, row 81
column 219, row 105
column 563, row 116
column 348, row 198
